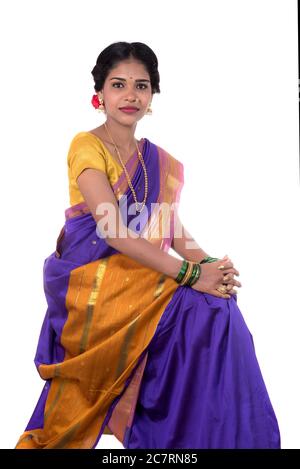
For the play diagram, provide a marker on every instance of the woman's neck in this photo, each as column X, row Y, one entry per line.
column 123, row 136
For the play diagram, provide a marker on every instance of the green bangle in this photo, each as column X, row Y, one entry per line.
column 192, row 276
column 195, row 274
column 182, row 272
column 209, row 259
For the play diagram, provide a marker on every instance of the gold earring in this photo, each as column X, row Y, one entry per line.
column 101, row 107
column 149, row 110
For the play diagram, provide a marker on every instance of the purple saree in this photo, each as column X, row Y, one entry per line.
column 124, row 350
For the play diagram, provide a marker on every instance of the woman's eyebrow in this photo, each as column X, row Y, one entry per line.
column 124, row 79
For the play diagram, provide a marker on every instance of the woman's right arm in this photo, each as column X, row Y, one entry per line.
column 96, row 190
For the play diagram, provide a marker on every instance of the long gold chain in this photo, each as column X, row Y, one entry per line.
column 127, row 175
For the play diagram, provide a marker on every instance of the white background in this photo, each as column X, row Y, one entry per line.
column 227, row 110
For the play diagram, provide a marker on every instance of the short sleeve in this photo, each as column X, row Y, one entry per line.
column 85, row 153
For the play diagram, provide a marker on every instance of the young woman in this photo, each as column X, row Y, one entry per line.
column 136, row 342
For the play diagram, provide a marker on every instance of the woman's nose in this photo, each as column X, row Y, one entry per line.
column 131, row 97
column 131, row 94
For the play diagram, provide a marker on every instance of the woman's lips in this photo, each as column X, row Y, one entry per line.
column 129, row 110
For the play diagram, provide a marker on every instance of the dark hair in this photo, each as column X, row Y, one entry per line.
column 118, row 51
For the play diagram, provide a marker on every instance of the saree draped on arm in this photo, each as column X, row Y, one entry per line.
column 125, row 350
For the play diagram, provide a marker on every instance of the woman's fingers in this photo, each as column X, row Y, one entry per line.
column 229, row 270
column 226, row 265
column 228, row 278
column 220, row 295
column 235, row 283
column 232, row 291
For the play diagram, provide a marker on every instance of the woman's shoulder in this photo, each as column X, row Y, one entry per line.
column 84, row 136
column 85, row 140
column 85, row 147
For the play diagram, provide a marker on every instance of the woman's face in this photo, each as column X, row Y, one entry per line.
column 127, row 85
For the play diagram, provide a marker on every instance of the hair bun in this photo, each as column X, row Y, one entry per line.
column 118, row 51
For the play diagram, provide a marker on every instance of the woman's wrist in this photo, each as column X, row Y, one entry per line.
column 209, row 259
column 190, row 271
column 175, row 267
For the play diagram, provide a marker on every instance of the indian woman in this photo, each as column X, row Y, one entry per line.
column 135, row 342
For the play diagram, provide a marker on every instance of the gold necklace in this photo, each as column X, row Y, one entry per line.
column 137, row 204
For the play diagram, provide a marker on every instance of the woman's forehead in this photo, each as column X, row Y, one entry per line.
column 130, row 68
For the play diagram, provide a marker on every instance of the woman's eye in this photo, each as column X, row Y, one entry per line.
column 139, row 84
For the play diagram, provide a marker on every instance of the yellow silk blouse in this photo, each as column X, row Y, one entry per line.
column 87, row 151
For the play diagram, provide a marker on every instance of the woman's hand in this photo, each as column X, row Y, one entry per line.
column 212, row 278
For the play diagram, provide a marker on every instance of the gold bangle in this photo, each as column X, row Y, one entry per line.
column 187, row 274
